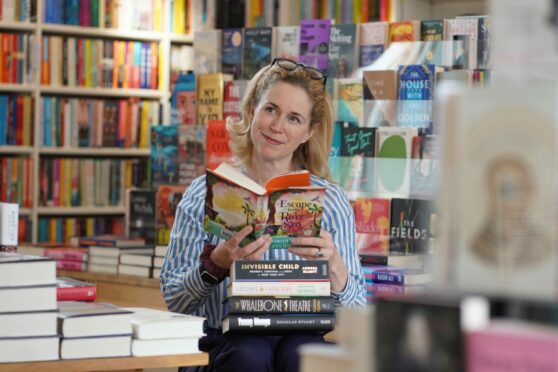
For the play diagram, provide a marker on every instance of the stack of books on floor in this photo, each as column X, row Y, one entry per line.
column 385, row 281
column 93, row 330
column 67, row 257
column 279, row 296
column 160, row 252
column 105, row 251
column 158, row 332
column 27, row 308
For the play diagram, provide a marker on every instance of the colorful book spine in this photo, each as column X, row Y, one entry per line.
column 274, row 305
column 279, row 270
column 266, row 288
column 255, row 323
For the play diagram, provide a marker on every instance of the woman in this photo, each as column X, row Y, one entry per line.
column 286, row 126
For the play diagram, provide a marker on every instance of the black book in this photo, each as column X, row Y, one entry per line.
column 412, row 226
column 141, row 214
column 278, row 305
column 279, row 270
column 278, row 323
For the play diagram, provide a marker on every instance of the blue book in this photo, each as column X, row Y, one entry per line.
column 232, row 52
column 415, row 94
column 3, row 119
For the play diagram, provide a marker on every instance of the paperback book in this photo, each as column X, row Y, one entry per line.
column 286, row 207
column 279, row 270
column 278, row 323
column 278, row 305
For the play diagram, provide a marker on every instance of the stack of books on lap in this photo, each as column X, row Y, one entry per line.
column 105, row 250
column 67, row 257
column 93, row 330
column 385, row 281
column 160, row 252
column 279, row 296
column 69, row 289
column 159, row 332
column 27, row 308
column 136, row 264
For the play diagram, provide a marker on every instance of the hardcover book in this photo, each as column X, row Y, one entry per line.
column 314, row 41
column 295, row 288
column 85, row 319
column 412, row 226
column 372, row 225
column 209, row 101
column 393, row 152
column 279, row 270
column 232, row 52
column 342, row 52
column 278, row 323
column 404, row 31
column 15, row 269
column 400, row 276
column 373, row 42
column 257, row 50
column 279, row 305
column 286, row 42
column 141, row 215
column 153, row 324
column 347, row 100
column 168, row 197
column 415, row 96
column 432, row 30
column 379, row 98
column 183, row 99
column 286, row 207
column 217, row 147
column 69, row 289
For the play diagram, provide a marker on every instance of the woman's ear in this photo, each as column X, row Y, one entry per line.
column 308, row 134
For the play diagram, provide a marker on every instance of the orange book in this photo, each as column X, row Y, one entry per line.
column 45, row 64
column 404, row 31
column 217, row 145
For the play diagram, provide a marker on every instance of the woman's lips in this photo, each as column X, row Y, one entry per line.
column 271, row 140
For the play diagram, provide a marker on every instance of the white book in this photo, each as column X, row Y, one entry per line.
column 9, row 214
column 207, row 49
column 26, row 324
column 161, row 250
column 286, row 42
column 86, row 319
column 267, row 288
column 117, row 251
column 15, row 269
column 29, row 349
column 145, row 260
column 98, row 268
column 103, row 260
column 134, row 270
column 173, row 346
column 30, row 298
column 158, row 262
column 95, row 347
column 156, row 273
column 149, row 324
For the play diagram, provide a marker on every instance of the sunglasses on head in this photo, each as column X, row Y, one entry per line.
column 289, row 65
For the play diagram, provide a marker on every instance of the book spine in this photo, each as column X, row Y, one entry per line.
column 76, row 293
column 266, row 288
column 65, row 255
column 70, row 265
column 9, row 224
column 379, row 277
column 280, row 270
column 316, row 323
column 272, row 305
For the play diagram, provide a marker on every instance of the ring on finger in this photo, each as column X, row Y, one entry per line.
column 319, row 253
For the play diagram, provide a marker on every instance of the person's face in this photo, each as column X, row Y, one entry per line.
column 281, row 122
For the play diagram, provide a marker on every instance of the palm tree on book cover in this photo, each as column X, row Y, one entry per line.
column 315, row 209
column 248, row 211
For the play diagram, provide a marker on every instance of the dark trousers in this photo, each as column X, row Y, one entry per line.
column 252, row 352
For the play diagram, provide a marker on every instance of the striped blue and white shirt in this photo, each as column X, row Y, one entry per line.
column 185, row 292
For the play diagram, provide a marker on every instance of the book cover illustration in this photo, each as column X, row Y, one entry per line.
column 342, row 51
column 217, row 147
column 191, row 152
column 183, row 100
column 412, row 226
column 465, row 31
column 424, row 166
column 207, row 49
column 379, row 98
column 286, row 42
column 415, row 95
column 348, row 95
column 432, row 30
column 373, row 42
column 232, row 98
column 209, row 97
column 232, row 52
column 164, row 154
column 141, row 215
column 257, row 50
column 168, row 197
column 282, row 212
column 314, row 41
column 404, row 31
column 372, row 225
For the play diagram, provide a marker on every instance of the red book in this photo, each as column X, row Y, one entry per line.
column 372, row 225
column 74, row 290
column 66, row 253
column 218, row 150
column 71, row 265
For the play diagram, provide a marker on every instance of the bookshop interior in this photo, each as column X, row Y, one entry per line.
column 279, row 185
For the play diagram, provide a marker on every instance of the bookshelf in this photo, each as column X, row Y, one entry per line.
column 38, row 29
column 436, row 9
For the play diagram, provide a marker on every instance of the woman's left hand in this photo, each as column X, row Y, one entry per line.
column 323, row 248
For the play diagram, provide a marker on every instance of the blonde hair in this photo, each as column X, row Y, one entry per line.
column 313, row 154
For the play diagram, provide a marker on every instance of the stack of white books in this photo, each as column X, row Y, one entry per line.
column 107, row 259
column 27, row 308
column 93, row 330
column 160, row 252
column 136, row 264
column 159, row 332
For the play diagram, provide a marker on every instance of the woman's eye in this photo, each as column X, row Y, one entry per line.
column 295, row 119
column 270, row 109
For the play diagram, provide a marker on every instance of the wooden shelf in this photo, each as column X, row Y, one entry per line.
column 110, row 364
column 18, row 26
column 17, row 88
column 25, row 211
column 96, row 32
column 80, row 211
column 95, row 151
column 16, row 150
column 113, row 278
column 101, row 92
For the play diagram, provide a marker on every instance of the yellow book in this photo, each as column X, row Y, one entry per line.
column 144, row 126
column 157, row 15
column 179, row 14
column 209, row 97
column 70, row 229
column 52, row 230
column 27, row 118
column 90, row 226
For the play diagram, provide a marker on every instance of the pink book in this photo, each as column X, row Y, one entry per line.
column 71, row 265
column 67, row 254
column 503, row 344
column 56, row 182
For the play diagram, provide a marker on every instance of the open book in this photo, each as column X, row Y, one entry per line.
column 286, row 207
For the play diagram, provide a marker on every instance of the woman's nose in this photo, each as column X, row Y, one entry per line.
column 277, row 124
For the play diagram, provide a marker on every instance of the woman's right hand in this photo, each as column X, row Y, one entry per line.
column 229, row 251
